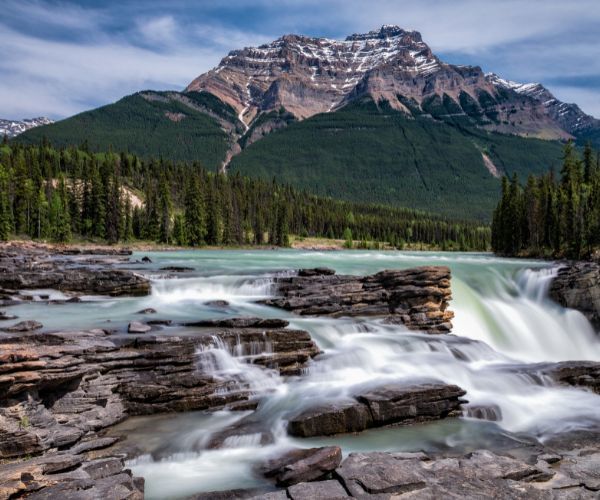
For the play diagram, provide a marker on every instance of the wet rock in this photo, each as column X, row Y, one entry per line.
column 577, row 285
column 417, row 298
column 574, row 373
column 246, row 432
column 74, row 300
column 137, row 327
column 303, row 465
column 146, row 259
column 316, row 271
column 159, row 322
column 321, row 490
column 217, row 303
column 177, row 269
column 149, row 310
column 240, row 323
column 384, row 405
column 24, row 326
column 331, row 418
column 492, row 413
column 6, row 317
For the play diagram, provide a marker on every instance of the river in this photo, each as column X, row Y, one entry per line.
column 503, row 321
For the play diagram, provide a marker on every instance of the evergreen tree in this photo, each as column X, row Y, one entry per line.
column 194, row 213
column 5, row 211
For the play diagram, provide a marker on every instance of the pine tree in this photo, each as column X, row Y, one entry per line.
column 5, row 211
column 194, row 213
column 165, row 210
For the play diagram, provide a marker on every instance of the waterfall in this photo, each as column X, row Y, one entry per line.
column 504, row 323
column 516, row 317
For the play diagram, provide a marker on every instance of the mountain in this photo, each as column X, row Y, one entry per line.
column 12, row 128
column 377, row 117
column 308, row 76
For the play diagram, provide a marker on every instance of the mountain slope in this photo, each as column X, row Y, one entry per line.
column 370, row 153
column 176, row 126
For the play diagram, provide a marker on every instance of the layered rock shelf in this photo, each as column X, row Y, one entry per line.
column 59, row 390
column 417, row 298
column 577, row 285
column 38, row 267
column 380, row 406
column 552, row 472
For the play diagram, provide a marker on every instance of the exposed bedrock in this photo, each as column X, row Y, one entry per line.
column 546, row 474
column 577, row 285
column 59, row 390
column 36, row 268
column 384, row 405
column 417, row 298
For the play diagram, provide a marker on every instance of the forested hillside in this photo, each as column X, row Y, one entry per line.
column 550, row 216
column 363, row 152
column 172, row 125
column 53, row 194
column 370, row 153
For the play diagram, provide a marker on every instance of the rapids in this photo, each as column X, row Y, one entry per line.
column 503, row 321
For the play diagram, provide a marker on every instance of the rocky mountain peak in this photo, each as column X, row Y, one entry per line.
column 386, row 31
column 308, row 75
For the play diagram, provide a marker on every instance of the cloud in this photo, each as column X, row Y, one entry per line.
column 59, row 58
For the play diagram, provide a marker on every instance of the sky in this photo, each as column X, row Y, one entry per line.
column 58, row 58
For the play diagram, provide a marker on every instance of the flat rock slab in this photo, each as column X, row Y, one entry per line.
column 384, row 405
column 322, row 490
column 137, row 327
column 302, row 465
column 417, row 298
column 24, row 326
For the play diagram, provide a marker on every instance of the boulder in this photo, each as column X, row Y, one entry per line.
column 148, row 310
column 6, row 317
column 417, row 298
column 337, row 417
column 137, row 327
column 24, row 326
column 146, row 259
column 302, row 465
column 217, row 303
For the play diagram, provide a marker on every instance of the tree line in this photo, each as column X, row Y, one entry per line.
column 551, row 217
column 71, row 193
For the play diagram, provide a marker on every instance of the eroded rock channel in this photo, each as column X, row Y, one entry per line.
column 61, row 392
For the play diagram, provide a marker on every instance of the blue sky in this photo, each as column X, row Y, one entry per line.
column 58, row 58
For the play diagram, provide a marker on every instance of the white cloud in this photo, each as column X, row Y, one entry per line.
column 159, row 30
column 83, row 57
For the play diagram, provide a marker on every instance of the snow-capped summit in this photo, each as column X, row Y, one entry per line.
column 309, row 75
column 12, row 128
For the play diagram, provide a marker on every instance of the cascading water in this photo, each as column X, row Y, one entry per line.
column 504, row 322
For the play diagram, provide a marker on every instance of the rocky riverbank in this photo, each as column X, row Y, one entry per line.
column 62, row 391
